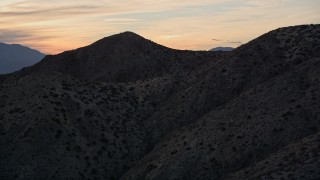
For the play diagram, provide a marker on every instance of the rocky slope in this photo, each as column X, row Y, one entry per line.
column 127, row 108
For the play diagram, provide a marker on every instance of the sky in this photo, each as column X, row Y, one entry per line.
column 56, row 26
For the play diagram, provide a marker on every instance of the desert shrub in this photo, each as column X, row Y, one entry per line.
column 58, row 134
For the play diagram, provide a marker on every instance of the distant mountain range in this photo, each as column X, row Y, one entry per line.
column 125, row 107
column 13, row 57
column 222, row 49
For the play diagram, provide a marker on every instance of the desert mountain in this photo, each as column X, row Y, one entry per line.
column 222, row 49
column 127, row 108
column 13, row 57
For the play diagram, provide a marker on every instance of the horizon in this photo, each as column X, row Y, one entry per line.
column 54, row 27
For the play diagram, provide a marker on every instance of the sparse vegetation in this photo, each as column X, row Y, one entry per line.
column 151, row 111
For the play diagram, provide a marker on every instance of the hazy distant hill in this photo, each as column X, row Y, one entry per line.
column 127, row 108
column 222, row 49
column 13, row 57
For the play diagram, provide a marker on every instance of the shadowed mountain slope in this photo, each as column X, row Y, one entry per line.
column 125, row 107
column 125, row 57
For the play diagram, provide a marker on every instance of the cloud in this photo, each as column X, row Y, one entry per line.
column 170, row 36
column 50, row 11
column 12, row 36
column 28, row 39
column 20, row 36
column 235, row 42
column 95, row 7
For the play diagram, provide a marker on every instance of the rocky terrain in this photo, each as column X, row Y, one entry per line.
column 128, row 108
column 13, row 57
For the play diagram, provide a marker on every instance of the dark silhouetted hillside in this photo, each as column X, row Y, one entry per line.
column 127, row 108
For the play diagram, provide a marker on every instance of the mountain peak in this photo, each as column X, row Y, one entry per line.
column 125, row 108
column 219, row 48
column 129, row 33
column 15, row 56
column 124, row 40
column 122, row 57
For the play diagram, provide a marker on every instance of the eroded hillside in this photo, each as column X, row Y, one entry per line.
column 125, row 107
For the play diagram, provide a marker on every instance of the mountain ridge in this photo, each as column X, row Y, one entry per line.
column 141, row 56
column 193, row 115
column 222, row 49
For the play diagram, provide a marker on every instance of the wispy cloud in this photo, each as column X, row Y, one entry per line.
column 20, row 36
column 235, row 42
column 13, row 36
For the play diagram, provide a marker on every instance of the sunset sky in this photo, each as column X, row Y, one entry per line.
column 59, row 25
